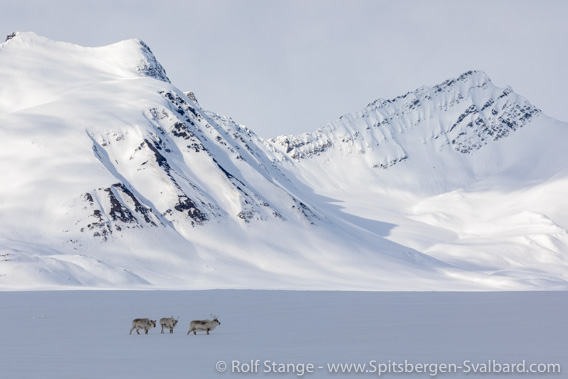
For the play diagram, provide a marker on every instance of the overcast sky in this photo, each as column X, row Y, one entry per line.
column 287, row 67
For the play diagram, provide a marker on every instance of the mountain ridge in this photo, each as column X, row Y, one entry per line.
column 487, row 120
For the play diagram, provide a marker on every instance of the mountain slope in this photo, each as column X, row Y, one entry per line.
column 114, row 177
column 467, row 172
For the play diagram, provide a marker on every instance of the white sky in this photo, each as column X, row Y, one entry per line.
column 283, row 67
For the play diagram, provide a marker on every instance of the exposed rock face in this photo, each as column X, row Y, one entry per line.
column 114, row 209
column 150, row 66
column 10, row 36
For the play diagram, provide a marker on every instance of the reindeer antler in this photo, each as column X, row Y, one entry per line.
column 212, row 315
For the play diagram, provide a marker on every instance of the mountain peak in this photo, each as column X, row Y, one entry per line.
column 467, row 112
column 463, row 83
column 23, row 37
column 124, row 57
column 36, row 70
column 468, row 80
column 478, row 76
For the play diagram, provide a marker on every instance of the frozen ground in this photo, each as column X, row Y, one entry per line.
column 84, row 334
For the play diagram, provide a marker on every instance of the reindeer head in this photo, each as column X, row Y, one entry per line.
column 175, row 321
column 215, row 319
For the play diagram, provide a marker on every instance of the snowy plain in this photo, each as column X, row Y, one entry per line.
column 85, row 334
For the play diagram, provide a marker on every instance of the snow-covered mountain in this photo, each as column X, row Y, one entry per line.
column 449, row 122
column 113, row 177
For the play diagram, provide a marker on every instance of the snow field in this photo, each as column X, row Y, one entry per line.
column 85, row 334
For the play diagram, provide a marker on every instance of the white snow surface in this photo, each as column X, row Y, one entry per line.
column 114, row 178
column 85, row 334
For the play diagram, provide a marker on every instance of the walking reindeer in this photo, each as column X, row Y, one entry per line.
column 203, row 325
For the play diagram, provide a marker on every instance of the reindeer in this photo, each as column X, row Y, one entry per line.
column 142, row 323
column 205, row 325
column 169, row 323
